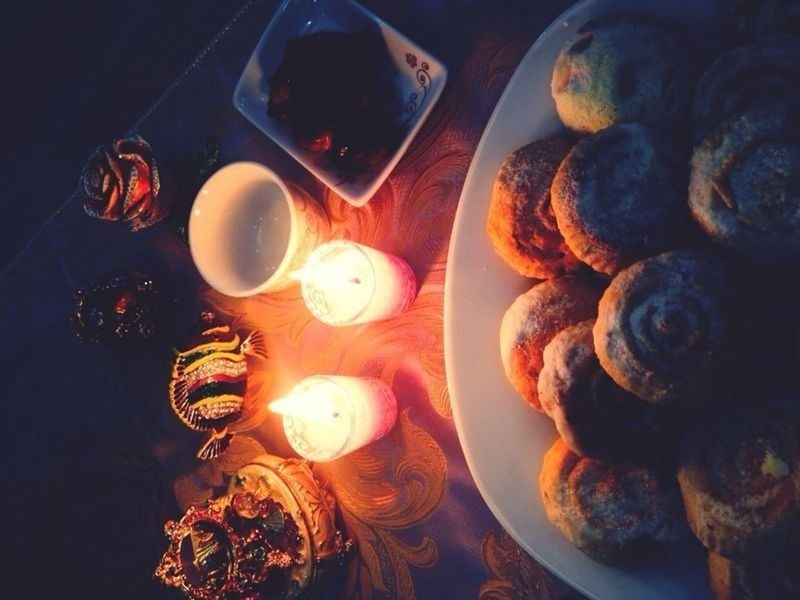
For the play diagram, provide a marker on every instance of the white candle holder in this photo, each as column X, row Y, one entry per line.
column 345, row 283
column 328, row 416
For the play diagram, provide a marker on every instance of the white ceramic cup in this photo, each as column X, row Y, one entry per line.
column 248, row 230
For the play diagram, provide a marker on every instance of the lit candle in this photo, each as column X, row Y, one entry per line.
column 345, row 283
column 328, row 416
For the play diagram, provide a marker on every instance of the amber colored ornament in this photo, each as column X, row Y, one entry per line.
column 120, row 306
column 273, row 535
column 121, row 182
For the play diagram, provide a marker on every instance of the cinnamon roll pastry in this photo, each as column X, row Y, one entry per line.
column 746, row 20
column 618, row 516
column 745, row 187
column 739, row 474
column 621, row 69
column 521, row 223
column 620, row 195
column 595, row 417
column 766, row 72
column 667, row 328
column 772, row 577
column 532, row 321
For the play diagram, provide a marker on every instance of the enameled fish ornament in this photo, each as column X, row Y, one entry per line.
column 209, row 380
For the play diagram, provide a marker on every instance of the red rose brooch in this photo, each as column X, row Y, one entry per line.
column 120, row 182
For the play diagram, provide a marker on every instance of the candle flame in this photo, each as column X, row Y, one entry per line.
column 311, row 407
column 325, row 276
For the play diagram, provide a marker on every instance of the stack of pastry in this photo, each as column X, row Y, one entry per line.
column 664, row 224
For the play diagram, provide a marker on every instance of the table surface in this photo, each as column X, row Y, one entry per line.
column 95, row 461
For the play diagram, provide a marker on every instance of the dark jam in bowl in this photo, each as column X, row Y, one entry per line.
column 337, row 92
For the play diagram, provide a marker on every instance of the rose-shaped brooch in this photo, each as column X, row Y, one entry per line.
column 120, row 182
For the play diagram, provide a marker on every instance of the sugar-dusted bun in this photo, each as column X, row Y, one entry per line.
column 739, row 473
column 618, row 516
column 595, row 417
column 745, row 187
column 621, row 69
column 620, row 196
column 668, row 328
column 532, row 321
column 774, row 576
column 765, row 72
column 521, row 223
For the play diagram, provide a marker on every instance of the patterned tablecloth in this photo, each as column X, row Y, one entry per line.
column 95, row 461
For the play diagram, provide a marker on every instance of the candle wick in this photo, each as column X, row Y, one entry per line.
column 354, row 280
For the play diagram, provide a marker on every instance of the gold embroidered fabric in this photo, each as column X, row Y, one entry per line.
column 515, row 575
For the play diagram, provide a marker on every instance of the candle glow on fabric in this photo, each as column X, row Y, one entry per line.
column 325, row 417
column 346, row 283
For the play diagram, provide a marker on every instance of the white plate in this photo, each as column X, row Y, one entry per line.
column 419, row 79
column 503, row 439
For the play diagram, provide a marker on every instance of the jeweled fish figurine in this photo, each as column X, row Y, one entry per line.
column 209, row 381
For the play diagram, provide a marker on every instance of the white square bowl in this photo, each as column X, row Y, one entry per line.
column 419, row 77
